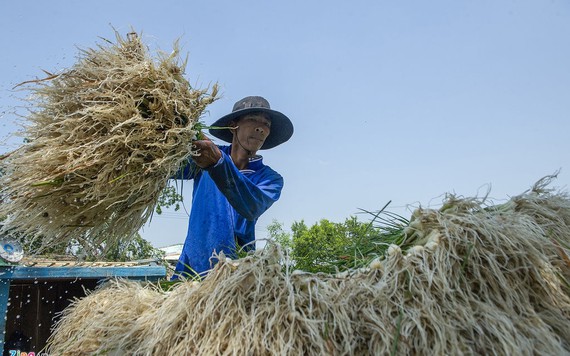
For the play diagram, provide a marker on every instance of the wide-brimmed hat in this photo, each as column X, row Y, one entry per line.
column 281, row 126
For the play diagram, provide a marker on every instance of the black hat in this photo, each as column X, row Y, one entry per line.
column 281, row 126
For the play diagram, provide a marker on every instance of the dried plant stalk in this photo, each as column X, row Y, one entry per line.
column 487, row 280
column 102, row 141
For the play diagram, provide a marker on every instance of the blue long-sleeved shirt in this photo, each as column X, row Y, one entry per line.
column 226, row 204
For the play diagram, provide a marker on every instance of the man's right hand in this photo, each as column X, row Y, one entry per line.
column 208, row 153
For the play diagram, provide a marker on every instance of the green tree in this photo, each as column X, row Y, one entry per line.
column 315, row 247
column 332, row 247
column 276, row 233
column 325, row 246
column 168, row 197
column 130, row 249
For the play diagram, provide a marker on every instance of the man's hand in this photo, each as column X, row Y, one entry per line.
column 209, row 153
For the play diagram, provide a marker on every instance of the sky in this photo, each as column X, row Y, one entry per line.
column 392, row 101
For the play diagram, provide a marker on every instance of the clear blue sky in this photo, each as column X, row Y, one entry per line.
column 391, row 100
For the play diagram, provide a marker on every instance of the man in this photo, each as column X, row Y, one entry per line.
column 232, row 186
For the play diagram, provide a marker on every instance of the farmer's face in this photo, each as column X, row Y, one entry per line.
column 252, row 131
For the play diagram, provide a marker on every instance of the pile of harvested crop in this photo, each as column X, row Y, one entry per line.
column 102, row 139
column 484, row 280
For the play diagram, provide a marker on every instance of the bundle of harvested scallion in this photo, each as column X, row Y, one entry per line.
column 102, row 139
column 467, row 279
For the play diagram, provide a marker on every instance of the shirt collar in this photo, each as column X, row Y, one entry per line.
column 254, row 164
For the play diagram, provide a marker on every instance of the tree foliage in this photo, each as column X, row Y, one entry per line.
column 328, row 246
column 131, row 249
column 168, row 197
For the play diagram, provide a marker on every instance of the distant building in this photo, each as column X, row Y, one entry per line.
column 172, row 253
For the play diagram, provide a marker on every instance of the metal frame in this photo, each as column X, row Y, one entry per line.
column 22, row 273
